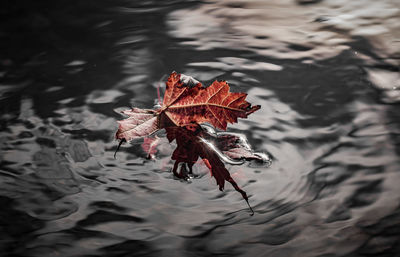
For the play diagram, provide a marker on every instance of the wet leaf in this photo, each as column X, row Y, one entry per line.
column 141, row 123
column 190, row 147
column 150, row 146
column 198, row 104
column 186, row 105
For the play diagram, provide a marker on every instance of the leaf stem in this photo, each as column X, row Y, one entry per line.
column 119, row 145
column 251, row 209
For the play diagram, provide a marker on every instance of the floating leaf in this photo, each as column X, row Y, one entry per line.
column 186, row 104
column 141, row 123
column 214, row 104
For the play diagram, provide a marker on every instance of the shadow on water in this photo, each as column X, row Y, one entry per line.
column 329, row 118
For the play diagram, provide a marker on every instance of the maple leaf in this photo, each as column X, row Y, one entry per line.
column 197, row 104
column 187, row 101
column 190, row 147
column 149, row 145
column 187, row 104
column 141, row 123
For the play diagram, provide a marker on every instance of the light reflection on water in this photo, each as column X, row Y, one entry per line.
column 326, row 75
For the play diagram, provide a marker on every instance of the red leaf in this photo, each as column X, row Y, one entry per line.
column 187, row 104
column 191, row 147
column 214, row 104
column 174, row 89
column 149, row 145
column 141, row 122
column 184, row 104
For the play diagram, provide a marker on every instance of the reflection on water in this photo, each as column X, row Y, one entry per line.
column 326, row 74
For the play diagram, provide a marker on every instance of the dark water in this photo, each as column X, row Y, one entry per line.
column 325, row 72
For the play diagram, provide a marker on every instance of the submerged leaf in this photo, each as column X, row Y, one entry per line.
column 149, row 145
column 236, row 147
column 191, row 147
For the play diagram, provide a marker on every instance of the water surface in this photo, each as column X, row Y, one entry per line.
column 326, row 74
